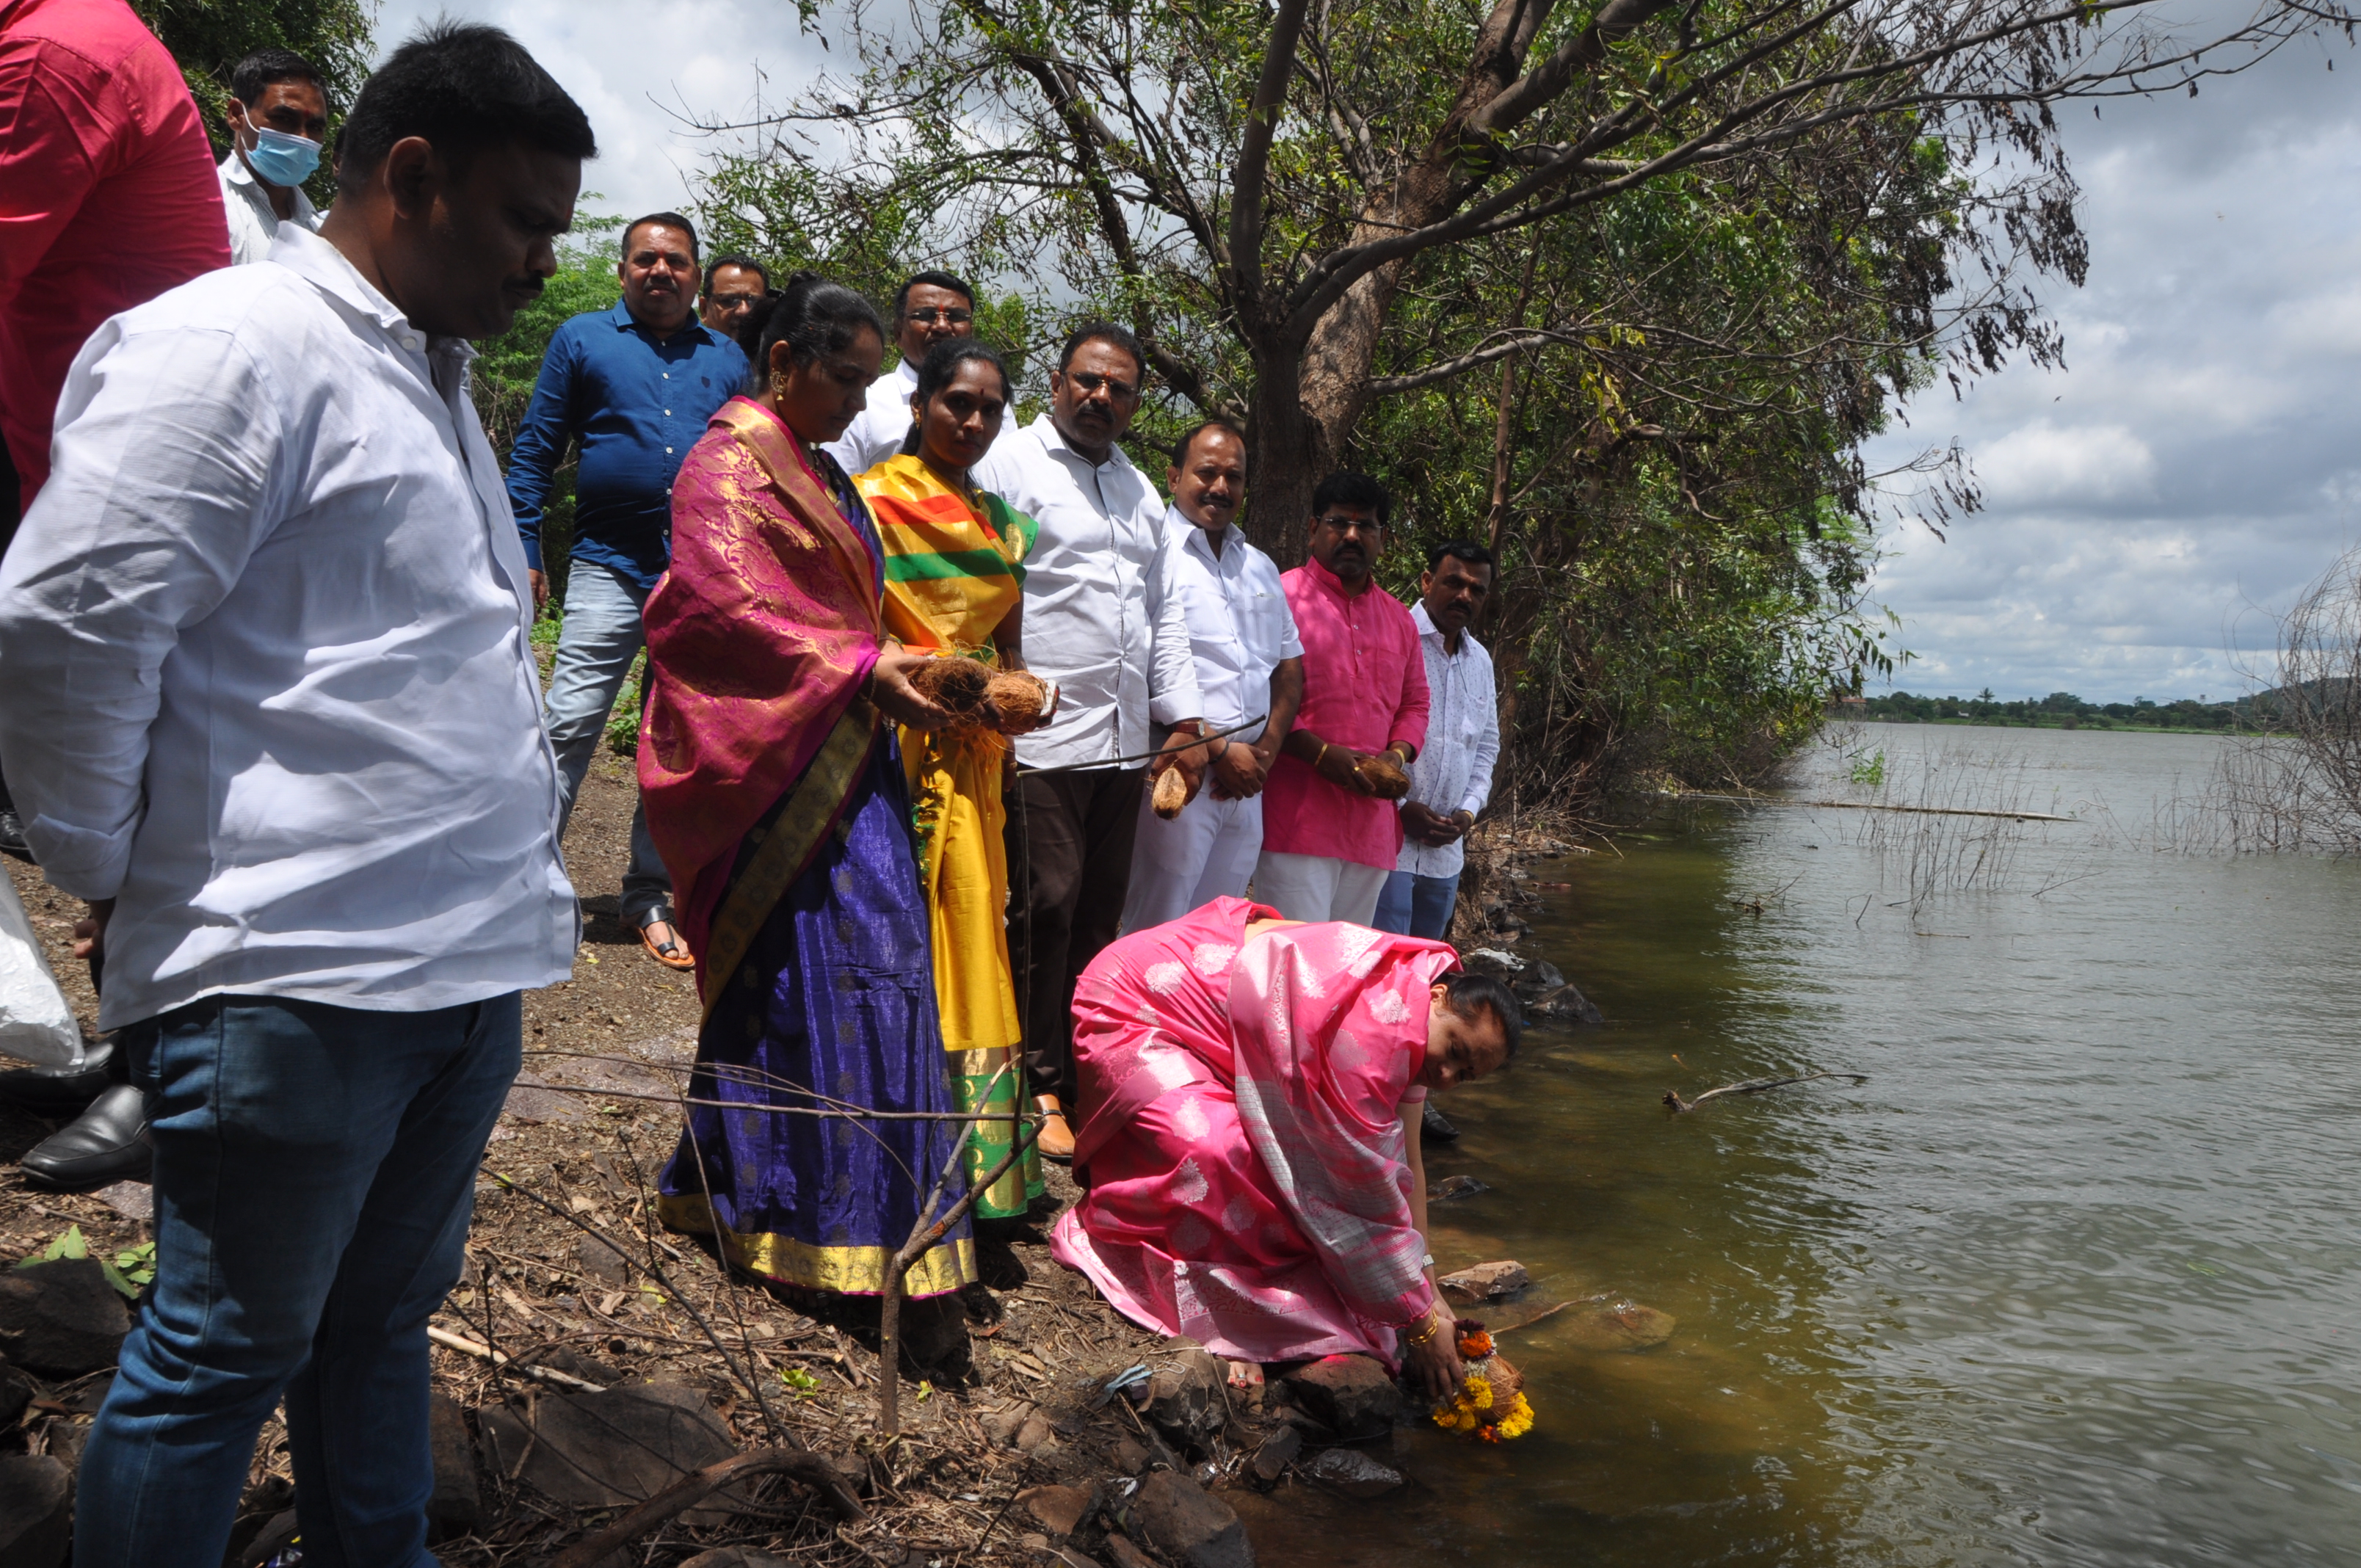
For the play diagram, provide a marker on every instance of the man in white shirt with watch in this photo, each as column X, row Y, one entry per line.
column 1249, row 664
column 1451, row 778
column 1098, row 625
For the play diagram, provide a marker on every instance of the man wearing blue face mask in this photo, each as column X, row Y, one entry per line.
column 278, row 121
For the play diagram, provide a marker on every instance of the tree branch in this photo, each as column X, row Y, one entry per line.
column 1253, row 155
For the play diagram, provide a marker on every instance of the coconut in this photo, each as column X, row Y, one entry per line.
column 955, row 684
column 1018, row 698
column 1171, row 794
column 1386, row 775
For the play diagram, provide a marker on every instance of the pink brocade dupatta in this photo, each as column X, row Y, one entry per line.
column 759, row 639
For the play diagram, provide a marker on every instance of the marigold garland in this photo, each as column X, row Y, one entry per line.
column 1478, row 1410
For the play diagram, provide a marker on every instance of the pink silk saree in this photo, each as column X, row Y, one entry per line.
column 759, row 640
column 1246, row 1182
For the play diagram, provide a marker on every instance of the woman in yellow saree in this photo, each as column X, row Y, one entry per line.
column 954, row 586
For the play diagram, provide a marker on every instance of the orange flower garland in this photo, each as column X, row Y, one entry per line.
column 1490, row 1405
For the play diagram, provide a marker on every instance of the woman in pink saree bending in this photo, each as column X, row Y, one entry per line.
column 1251, row 1090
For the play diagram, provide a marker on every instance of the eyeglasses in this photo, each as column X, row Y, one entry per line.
column 1352, row 525
column 1090, row 381
column 948, row 317
column 733, row 301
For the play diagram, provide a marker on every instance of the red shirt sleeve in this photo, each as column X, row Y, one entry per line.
column 46, row 167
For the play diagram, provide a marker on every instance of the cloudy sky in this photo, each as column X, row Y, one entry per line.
column 2195, row 463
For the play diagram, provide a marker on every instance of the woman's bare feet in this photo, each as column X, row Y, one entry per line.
column 1245, row 1376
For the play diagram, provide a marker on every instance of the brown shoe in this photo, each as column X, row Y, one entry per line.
column 1056, row 1140
column 671, row 952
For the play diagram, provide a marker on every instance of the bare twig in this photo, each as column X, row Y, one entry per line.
column 796, row 1464
column 1754, row 1086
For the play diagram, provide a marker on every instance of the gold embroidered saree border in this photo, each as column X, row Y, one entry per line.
column 990, row 1094
column 847, row 1270
column 786, row 846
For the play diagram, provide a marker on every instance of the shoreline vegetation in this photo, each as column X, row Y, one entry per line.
column 2058, row 710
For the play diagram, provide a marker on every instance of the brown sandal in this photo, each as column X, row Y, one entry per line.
column 673, row 954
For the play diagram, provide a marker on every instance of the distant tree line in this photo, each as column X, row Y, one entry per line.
column 2058, row 710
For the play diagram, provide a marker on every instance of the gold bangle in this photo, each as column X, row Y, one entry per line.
column 1428, row 1321
column 1321, row 758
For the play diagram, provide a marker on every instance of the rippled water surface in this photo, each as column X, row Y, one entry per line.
column 2073, row 1279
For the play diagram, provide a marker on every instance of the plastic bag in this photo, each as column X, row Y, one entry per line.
column 36, row 1024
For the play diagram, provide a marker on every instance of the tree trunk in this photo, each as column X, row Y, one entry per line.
column 1287, row 456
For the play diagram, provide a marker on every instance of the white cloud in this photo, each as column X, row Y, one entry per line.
column 2195, row 463
column 2042, row 464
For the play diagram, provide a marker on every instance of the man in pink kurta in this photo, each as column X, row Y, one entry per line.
column 1330, row 836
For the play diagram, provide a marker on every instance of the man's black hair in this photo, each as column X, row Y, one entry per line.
column 731, row 258
column 1103, row 332
column 812, row 316
column 463, row 87
column 931, row 279
column 1211, row 421
column 1470, row 993
column 1466, row 550
column 265, row 66
column 670, row 221
column 942, row 363
column 1345, row 487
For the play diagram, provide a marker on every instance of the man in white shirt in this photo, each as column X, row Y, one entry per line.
column 1249, row 664
column 277, row 120
column 273, row 713
column 928, row 308
column 1451, row 778
column 1096, row 623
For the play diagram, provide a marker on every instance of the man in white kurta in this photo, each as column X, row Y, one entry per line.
column 1250, row 666
column 1451, row 778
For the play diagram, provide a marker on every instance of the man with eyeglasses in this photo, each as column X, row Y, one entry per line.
column 1098, row 623
column 927, row 308
column 1330, row 832
column 734, row 285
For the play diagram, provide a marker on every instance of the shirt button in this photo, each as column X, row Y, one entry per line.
column 668, row 449
column 668, row 414
column 667, row 374
column 409, row 342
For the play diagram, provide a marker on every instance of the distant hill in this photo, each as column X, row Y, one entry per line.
column 2060, row 710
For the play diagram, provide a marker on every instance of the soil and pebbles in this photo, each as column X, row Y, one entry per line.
column 589, row 1359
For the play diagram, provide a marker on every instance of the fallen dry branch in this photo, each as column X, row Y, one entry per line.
column 796, row 1464
column 502, row 1358
column 1753, row 1085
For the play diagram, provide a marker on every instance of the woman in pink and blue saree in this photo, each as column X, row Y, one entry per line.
column 775, row 792
column 1251, row 1095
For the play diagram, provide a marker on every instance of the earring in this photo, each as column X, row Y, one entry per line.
column 778, row 383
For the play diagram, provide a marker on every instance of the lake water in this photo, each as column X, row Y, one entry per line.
column 2073, row 1279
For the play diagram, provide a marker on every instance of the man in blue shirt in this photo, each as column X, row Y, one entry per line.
column 633, row 386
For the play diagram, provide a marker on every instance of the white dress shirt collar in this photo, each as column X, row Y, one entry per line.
column 1463, row 740
column 253, row 221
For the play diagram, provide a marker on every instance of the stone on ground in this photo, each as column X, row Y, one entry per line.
column 1487, row 1281
column 36, row 1510
column 1277, row 1452
column 1060, row 1510
column 15, row 1393
column 619, row 1446
column 734, row 1557
column 1124, row 1554
column 1185, row 1397
column 1353, row 1472
column 1352, row 1396
column 1187, row 1525
column 61, row 1318
column 601, row 1263
column 1452, row 1186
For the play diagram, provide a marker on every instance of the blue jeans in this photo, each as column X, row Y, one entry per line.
column 1415, row 905
column 595, row 649
column 314, row 1173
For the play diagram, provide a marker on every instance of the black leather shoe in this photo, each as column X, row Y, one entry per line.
column 107, row 1144
column 12, row 836
column 45, row 1092
column 1436, row 1128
